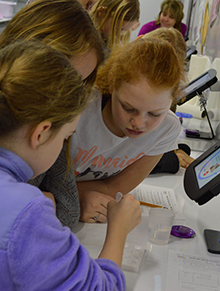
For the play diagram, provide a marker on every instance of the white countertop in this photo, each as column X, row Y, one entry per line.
column 153, row 270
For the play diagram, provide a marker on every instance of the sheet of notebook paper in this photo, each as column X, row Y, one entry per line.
column 159, row 196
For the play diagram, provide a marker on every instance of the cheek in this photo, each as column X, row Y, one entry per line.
column 173, row 22
column 157, row 121
column 119, row 116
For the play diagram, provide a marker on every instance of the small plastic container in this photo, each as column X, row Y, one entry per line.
column 184, row 118
column 160, row 222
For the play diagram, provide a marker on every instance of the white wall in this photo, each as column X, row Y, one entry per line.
column 148, row 12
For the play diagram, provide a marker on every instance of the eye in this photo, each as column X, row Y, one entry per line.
column 128, row 109
column 154, row 115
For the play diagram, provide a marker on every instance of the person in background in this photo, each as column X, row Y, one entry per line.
column 67, row 27
column 170, row 15
column 112, row 18
column 126, row 35
column 130, row 125
column 172, row 160
column 41, row 100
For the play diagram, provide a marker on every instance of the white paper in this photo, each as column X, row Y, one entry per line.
column 157, row 195
column 188, row 272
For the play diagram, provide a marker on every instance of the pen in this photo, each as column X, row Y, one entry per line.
column 151, row 205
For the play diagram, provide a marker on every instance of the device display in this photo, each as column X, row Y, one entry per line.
column 202, row 176
column 197, row 86
column 208, row 169
column 191, row 50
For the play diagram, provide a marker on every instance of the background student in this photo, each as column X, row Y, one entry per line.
column 67, row 27
column 39, row 109
column 172, row 160
column 170, row 15
column 112, row 18
column 123, row 134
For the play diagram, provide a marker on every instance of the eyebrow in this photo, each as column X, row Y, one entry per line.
column 128, row 104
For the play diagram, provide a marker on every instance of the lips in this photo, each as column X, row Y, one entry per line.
column 135, row 132
column 166, row 25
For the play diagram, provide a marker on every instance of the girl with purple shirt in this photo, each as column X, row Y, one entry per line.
column 41, row 100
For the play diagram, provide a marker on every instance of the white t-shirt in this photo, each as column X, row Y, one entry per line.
column 97, row 153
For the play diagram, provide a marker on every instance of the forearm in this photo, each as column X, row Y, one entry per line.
column 123, row 217
column 125, row 181
column 114, row 246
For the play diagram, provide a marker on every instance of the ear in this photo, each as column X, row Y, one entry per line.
column 40, row 134
column 101, row 11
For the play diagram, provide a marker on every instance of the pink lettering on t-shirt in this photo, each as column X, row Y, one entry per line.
column 99, row 161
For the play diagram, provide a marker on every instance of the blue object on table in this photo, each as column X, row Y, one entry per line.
column 182, row 115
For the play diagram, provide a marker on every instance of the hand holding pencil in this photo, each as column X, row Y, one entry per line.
column 119, row 196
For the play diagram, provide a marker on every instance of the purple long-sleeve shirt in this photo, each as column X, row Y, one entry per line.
column 36, row 251
column 150, row 26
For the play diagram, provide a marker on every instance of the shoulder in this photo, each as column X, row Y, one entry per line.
column 172, row 122
column 94, row 101
column 183, row 29
column 91, row 114
column 166, row 134
column 170, row 127
column 148, row 27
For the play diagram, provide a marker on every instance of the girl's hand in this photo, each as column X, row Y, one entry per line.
column 184, row 159
column 125, row 215
column 93, row 204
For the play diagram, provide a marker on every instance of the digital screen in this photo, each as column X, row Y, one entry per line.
column 197, row 84
column 208, row 169
column 190, row 51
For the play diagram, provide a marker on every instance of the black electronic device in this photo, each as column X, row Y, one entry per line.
column 212, row 238
column 191, row 50
column 202, row 176
column 197, row 86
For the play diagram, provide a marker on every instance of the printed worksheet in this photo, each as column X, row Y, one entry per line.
column 188, row 272
column 157, row 195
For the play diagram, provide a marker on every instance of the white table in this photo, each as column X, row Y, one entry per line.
column 153, row 270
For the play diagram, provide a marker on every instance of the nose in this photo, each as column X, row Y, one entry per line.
column 138, row 122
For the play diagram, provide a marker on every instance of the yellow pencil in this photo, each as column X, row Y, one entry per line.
column 151, row 205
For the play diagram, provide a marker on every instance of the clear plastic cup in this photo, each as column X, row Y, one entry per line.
column 160, row 222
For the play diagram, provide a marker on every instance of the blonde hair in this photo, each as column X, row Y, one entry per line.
column 175, row 8
column 119, row 11
column 174, row 37
column 151, row 58
column 37, row 84
column 63, row 24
